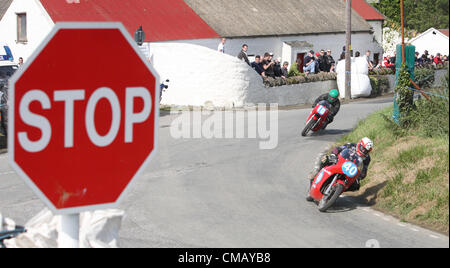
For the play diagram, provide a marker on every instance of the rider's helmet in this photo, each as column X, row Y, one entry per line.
column 333, row 95
column 364, row 147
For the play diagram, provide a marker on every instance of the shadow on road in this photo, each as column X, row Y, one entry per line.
column 369, row 195
column 328, row 134
column 342, row 205
column 163, row 113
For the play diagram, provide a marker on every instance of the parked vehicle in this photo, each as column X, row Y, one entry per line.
column 333, row 180
column 317, row 117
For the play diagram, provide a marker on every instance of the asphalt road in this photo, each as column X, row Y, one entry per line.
column 201, row 192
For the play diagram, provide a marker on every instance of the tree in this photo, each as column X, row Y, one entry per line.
column 420, row 15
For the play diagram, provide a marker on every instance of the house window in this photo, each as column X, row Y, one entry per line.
column 22, row 27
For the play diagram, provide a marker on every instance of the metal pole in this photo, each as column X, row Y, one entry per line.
column 348, row 45
column 68, row 231
column 403, row 32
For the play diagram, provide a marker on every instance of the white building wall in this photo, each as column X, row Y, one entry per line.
column 259, row 45
column 39, row 25
column 434, row 43
column 377, row 26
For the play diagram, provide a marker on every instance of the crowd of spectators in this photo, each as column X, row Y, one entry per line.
column 268, row 66
column 420, row 61
column 322, row 61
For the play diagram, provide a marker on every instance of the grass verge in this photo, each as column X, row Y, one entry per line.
column 409, row 173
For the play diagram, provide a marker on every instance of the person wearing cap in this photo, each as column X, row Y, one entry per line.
column 268, row 65
column 277, row 67
column 309, row 63
column 330, row 62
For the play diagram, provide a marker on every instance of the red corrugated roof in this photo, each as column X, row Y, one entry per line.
column 366, row 11
column 444, row 31
column 161, row 20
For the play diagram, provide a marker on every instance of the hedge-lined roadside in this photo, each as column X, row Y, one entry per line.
column 299, row 78
column 408, row 175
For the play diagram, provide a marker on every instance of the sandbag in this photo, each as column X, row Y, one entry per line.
column 98, row 229
column 360, row 81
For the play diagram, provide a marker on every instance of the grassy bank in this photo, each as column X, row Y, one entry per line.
column 409, row 173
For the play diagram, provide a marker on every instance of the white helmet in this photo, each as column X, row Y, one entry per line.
column 364, row 147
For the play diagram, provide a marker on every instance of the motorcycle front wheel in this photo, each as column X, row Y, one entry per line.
column 308, row 127
column 328, row 200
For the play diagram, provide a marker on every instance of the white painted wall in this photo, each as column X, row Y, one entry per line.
column 200, row 76
column 377, row 26
column 259, row 45
column 39, row 25
column 434, row 43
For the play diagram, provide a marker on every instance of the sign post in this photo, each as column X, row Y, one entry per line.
column 83, row 117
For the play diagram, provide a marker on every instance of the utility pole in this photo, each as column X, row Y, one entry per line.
column 403, row 32
column 348, row 48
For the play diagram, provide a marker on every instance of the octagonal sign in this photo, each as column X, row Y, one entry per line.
column 83, row 116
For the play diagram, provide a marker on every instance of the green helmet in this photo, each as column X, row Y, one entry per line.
column 333, row 95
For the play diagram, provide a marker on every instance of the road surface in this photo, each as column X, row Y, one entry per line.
column 201, row 192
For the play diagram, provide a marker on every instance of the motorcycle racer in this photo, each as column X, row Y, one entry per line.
column 333, row 98
column 362, row 150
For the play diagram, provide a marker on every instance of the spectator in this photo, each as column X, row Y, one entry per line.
column 427, row 57
column 342, row 57
column 20, row 62
column 284, row 70
column 243, row 54
column 357, row 54
column 277, row 67
column 393, row 58
column 268, row 64
column 221, row 47
column 316, row 63
column 330, row 63
column 309, row 63
column 416, row 58
column 437, row 59
column 322, row 61
column 387, row 63
column 256, row 65
column 369, row 62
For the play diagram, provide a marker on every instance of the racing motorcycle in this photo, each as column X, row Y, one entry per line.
column 317, row 117
column 335, row 179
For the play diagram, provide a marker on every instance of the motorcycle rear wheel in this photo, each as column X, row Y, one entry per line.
column 327, row 201
column 308, row 127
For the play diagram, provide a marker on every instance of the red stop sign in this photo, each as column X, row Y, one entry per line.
column 83, row 116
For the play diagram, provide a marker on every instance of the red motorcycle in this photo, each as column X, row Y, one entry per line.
column 317, row 117
column 333, row 180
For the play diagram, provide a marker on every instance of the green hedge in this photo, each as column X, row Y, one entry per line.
column 273, row 82
column 379, row 85
column 295, row 77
